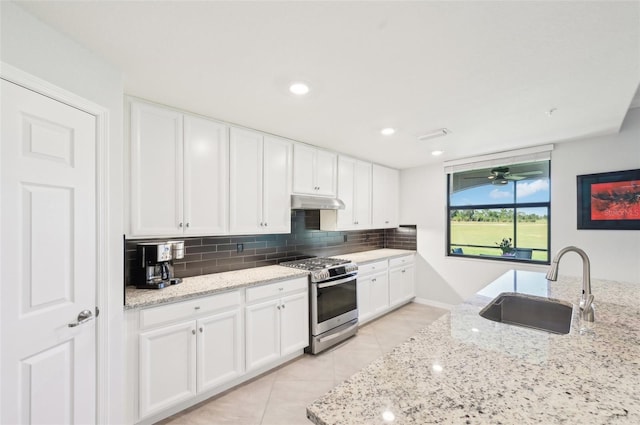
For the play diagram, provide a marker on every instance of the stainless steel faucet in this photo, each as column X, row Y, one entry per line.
column 586, row 300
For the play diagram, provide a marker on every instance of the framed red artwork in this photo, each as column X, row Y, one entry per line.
column 609, row 200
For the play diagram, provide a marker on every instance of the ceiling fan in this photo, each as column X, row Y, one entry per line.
column 502, row 175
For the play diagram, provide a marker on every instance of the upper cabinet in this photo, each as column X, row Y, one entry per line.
column 314, row 171
column 354, row 189
column 260, row 181
column 385, row 197
column 179, row 173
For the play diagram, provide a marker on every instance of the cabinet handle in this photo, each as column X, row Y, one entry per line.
column 261, row 224
column 373, row 280
column 200, row 329
column 278, row 307
column 196, row 307
column 386, row 222
column 180, row 225
column 283, row 306
column 193, row 331
column 403, row 271
column 265, row 224
column 187, row 225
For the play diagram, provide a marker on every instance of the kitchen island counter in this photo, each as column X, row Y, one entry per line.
column 464, row 369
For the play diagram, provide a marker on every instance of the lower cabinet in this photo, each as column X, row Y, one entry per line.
column 177, row 362
column 372, row 291
column 277, row 321
column 162, row 386
column 184, row 352
column 401, row 280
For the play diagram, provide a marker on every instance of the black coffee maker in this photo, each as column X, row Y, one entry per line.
column 154, row 264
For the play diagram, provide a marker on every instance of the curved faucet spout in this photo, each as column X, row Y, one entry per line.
column 586, row 299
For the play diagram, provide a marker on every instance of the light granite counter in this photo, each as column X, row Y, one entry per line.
column 198, row 286
column 208, row 284
column 374, row 255
column 464, row 369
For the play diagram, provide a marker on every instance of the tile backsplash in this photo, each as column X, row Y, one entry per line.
column 214, row 254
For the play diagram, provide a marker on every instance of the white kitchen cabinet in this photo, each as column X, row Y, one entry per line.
column 385, row 189
column 178, row 173
column 277, row 321
column 167, row 367
column 219, row 349
column 372, row 291
column 314, row 171
column 401, row 280
column 354, row 189
column 260, row 183
column 187, row 348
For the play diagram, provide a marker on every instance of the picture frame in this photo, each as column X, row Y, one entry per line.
column 609, row 201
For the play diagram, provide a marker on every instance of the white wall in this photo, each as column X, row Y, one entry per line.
column 614, row 254
column 33, row 47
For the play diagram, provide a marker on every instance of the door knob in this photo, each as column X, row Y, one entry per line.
column 83, row 317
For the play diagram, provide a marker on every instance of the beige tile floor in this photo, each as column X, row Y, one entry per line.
column 280, row 397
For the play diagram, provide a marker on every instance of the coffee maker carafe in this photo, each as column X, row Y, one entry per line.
column 154, row 264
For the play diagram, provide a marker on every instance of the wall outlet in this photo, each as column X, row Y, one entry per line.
column 240, row 247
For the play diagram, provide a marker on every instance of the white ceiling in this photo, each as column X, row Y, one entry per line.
column 488, row 71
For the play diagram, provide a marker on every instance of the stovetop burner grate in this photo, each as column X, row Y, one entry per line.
column 317, row 263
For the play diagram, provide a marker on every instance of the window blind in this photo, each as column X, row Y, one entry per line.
column 519, row 156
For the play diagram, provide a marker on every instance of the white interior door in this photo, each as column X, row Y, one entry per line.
column 48, row 263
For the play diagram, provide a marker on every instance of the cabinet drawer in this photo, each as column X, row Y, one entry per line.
column 188, row 309
column 276, row 289
column 376, row 267
column 401, row 261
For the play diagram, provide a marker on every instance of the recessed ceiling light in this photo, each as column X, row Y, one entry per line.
column 388, row 131
column 437, row 153
column 299, row 88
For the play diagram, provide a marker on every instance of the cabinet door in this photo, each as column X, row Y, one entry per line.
column 396, row 286
column 206, row 177
column 167, row 367
column 219, row 349
column 379, row 293
column 363, row 291
column 346, row 170
column 262, row 334
column 362, row 195
column 385, row 193
column 277, row 185
column 245, row 197
column 156, row 171
column 304, row 180
column 294, row 322
column 409, row 282
column 326, row 172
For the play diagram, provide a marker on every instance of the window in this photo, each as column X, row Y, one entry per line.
column 500, row 212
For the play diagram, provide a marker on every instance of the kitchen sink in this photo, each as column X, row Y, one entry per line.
column 530, row 311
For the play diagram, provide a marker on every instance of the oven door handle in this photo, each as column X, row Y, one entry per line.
column 336, row 282
column 338, row 334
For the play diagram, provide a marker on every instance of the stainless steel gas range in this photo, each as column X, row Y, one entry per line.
column 333, row 301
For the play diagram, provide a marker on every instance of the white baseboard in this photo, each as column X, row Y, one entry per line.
column 432, row 303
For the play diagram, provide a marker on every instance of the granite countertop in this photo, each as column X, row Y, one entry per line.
column 207, row 285
column 198, row 286
column 374, row 255
column 464, row 369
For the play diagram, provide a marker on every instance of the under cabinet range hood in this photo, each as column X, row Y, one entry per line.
column 303, row 202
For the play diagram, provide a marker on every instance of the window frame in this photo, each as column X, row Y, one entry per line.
column 514, row 206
